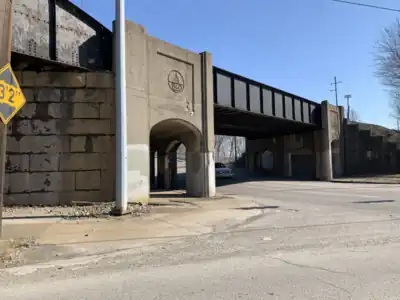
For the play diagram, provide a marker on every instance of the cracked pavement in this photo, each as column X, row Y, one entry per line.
column 314, row 240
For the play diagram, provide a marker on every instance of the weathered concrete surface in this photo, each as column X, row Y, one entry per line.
column 169, row 100
column 322, row 242
column 60, row 146
column 169, row 218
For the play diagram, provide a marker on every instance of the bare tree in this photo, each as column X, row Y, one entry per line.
column 224, row 148
column 388, row 64
column 353, row 116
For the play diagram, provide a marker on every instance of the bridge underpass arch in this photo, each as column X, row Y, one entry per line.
column 166, row 137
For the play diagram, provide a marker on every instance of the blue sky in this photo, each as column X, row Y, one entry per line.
column 294, row 45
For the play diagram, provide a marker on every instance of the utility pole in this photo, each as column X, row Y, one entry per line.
column 6, row 9
column 335, row 84
column 348, row 106
column 121, row 191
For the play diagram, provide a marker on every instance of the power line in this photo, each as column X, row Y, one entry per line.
column 335, row 84
column 367, row 5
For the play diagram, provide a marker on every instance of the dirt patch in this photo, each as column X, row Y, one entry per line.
column 11, row 251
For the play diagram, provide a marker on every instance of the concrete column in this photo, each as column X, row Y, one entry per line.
column 137, row 109
column 207, row 155
column 172, row 169
column 195, row 174
column 152, row 168
column 317, row 153
column 287, row 164
column 326, row 151
column 280, row 156
column 251, row 159
column 160, row 170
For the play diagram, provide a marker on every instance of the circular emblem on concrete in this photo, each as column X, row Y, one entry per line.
column 175, row 81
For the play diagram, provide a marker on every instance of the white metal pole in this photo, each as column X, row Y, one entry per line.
column 121, row 194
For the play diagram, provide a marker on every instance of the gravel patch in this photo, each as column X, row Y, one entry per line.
column 95, row 210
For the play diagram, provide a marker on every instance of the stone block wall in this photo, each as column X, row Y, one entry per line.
column 368, row 153
column 60, row 146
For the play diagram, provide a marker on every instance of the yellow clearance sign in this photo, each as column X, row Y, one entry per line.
column 11, row 97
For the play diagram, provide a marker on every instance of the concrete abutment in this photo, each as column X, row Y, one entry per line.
column 61, row 146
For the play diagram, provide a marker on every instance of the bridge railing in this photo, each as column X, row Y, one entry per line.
column 235, row 91
column 59, row 31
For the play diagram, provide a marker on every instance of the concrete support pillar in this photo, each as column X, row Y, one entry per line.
column 195, row 173
column 336, row 121
column 317, row 153
column 326, row 151
column 173, row 169
column 206, row 158
column 287, row 164
column 251, row 159
column 137, row 109
column 152, row 168
column 280, row 156
column 161, row 170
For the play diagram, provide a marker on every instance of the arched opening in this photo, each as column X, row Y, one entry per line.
column 175, row 160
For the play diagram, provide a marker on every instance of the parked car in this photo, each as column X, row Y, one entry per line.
column 222, row 171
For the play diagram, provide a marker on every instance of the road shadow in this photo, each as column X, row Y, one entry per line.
column 162, row 194
column 373, row 201
column 258, row 207
column 242, row 176
column 364, row 182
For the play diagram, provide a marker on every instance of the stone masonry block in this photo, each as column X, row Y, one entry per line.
column 38, row 144
column 29, row 94
column 27, row 111
column 107, row 187
column 81, row 126
column 103, row 144
column 100, row 80
column 19, row 182
column 18, row 75
column 49, row 95
column 27, row 79
column 108, row 161
column 78, row 143
column 86, row 110
column 34, row 127
column 83, row 197
column 44, row 162
column 40, row 182
column 80, row 162
column 87, row 180
column 53, row 79
column 85, row 95
column 47, row 199
column 6, row 189
column 59, row 110
column 53, row 198
column 17, row 163
column 107, row 111
column 40, row 127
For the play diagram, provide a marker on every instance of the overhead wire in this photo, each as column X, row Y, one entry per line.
column 367, row 5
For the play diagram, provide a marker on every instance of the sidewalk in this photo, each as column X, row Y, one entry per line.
column 32, row 231
column 373, row 179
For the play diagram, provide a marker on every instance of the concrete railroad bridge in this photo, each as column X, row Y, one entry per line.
column 61, row 144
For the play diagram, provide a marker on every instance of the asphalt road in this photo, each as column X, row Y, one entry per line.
column 312, row 241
